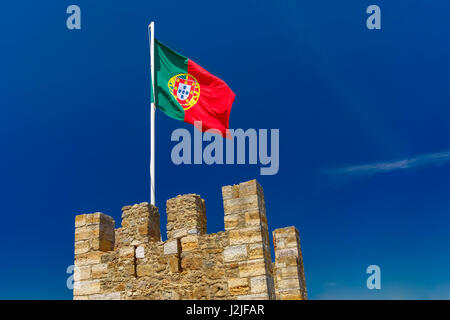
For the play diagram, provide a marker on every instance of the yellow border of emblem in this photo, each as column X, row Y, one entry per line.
column 196, row 96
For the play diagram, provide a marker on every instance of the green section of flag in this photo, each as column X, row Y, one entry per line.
column 168, row 63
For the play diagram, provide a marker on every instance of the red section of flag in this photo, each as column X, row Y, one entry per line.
column 214, row 105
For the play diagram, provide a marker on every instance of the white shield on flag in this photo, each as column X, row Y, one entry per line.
column 183, row 91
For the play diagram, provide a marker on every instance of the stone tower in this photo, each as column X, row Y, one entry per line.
column 131, row 262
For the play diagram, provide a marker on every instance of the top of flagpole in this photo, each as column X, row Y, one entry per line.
column 151, row 35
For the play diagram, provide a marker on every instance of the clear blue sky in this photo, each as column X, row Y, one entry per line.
column 74, row 134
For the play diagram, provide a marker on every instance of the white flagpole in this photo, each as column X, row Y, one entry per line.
column 151, row 34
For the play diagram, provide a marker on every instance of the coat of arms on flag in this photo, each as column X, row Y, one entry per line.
column 185, row 89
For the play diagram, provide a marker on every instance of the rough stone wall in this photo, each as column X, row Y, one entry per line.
column 131, row 262
column 247, row 256
column 288, row 268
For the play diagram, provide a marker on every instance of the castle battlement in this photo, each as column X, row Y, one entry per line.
column 131, row 262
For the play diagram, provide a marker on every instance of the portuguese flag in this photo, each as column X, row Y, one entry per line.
column 187, row 92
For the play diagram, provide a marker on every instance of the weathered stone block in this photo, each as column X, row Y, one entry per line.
column 140, row 252
column 179, row 233
column 191, row 262
column 257, row 296
column 83, row 233
column 287, row 252
column 238, row 286
column 172, row 247
column 256, row 250
column 252, row 268
column 241, row 205
column 245, row 235
column 193, row 231
column 174, row 264
column 289, row 272
column 102, row 244
column 288, row 284
column 235, row 253
column 258, row 284
column 80, row 220
column 86, row 287
column 82, row 246
column 232, row 206
column 252, row 218
column 234, row 221
column 81, row 273
column 189, row 243
column 215, row 274
column 106, row 296
column 99, row 270
column 143, row 270
column 127, row 252
column 248, row 188
column 230, row 192
column 92, row 257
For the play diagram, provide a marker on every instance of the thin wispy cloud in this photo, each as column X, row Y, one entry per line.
column 430, row 159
